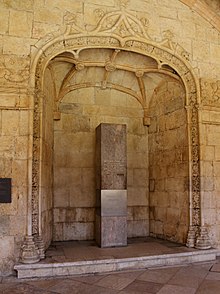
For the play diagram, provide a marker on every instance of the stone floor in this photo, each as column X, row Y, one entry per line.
column 88, row 250
column 200, row 278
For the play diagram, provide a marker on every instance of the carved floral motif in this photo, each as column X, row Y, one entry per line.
column 14, row 69
column 210, row 92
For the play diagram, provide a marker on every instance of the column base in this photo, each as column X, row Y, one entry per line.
column 40, row 245
column 203, row 241
column 29, row 251
column 191, row 237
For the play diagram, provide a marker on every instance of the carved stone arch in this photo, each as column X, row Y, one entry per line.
column 165, row 52
column 164, row 56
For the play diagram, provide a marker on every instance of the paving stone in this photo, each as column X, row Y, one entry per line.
column 158, row 275
column 92, row 279
column 203, row 265
column 133, row 292
column 209, row 287
column 21, row 288
column 172, row 289
column 143, row 287
column 44, row 284
column 213, row 276
column 192, row 277
column 215, row 267
column 115, row 282
column 11, row 279
column 74, row 287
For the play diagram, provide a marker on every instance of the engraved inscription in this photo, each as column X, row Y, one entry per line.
column 114, row 175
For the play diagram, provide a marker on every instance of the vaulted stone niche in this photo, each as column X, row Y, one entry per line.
column 100, row 86
column 114, row 73
column 113, row 86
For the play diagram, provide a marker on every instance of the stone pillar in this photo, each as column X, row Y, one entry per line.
column 111, row 185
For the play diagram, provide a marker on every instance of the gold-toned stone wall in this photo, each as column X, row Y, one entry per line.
column 74, row 161
column 14, row 130
column 168, row 163
column 210, row 156
column 25, row 26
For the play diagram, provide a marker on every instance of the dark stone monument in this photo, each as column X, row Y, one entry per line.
column 111, row 185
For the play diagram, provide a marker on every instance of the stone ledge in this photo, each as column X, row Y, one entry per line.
column 40, row 270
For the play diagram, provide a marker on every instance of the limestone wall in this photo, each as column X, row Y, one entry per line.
column 210, row 167
column 168, row 163
column 14, row 132
column 74, row 161
column 210, row 156
column 24, row 27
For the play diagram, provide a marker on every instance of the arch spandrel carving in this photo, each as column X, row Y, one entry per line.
column 165, row 52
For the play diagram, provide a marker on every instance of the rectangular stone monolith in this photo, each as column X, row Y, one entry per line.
column 111, row 185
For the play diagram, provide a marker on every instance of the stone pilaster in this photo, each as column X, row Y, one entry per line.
column 29, row 251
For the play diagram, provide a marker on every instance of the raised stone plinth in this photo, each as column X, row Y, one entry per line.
column 83, row 267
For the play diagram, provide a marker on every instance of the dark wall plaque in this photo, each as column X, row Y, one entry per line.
column 5, row 190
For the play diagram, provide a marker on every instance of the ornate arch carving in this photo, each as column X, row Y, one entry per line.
column 121, row 30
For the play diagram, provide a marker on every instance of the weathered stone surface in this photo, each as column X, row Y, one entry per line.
column 110, row 86
column 5, row 224
column 168, row 161
column 113, row 231
column 78, row 231
column 25, row 19
column 113, row 156
column 111, row 185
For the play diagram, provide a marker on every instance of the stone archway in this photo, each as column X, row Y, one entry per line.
column 118, row 30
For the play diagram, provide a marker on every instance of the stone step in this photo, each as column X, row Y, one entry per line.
column 43, row 269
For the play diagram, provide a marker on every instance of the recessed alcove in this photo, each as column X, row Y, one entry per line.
column 114, row 86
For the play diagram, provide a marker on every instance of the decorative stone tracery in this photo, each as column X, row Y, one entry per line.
column 210, row 92
column 121, row 30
